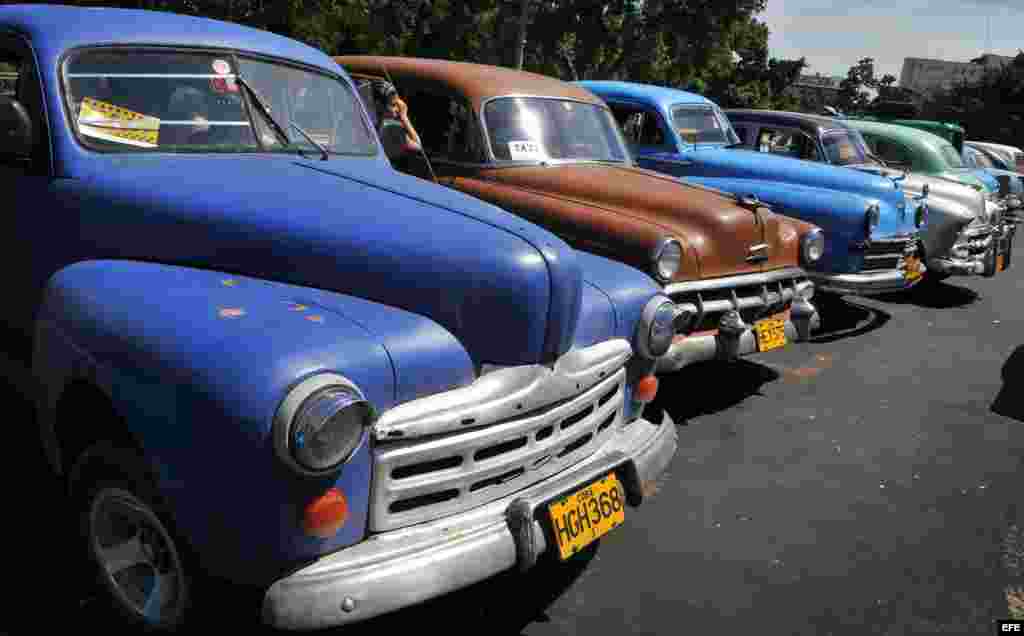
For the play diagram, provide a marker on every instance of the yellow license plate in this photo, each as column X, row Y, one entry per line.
column 1000, row 263
column 771, row 333
column 912, row 269
column 590, row 512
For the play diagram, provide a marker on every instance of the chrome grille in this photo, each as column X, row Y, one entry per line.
column 754, row 296
column 417, row 480
column 888, row 254
column 974, row 241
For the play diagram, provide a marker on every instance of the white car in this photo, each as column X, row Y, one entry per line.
column 1012, row 156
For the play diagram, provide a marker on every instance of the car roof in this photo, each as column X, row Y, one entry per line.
column 478, row 82
column 904, row 134
column 53, row 29
column 649, row 93
column 786, row 118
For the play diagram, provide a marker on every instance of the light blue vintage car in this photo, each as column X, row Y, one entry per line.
column 264, row 354
column 871, row 227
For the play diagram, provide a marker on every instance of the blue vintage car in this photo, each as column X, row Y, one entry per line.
column 263, row 353
column 871, row 227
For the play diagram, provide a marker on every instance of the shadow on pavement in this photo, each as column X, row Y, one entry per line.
column 707, row 387
column 1009, row 401
column 845, row 318
column 933, row 295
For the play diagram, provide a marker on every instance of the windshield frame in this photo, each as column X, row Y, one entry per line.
column 493, row 159
column 723, row 122
column 64, row 88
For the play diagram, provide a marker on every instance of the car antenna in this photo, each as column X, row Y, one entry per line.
column 423, row 152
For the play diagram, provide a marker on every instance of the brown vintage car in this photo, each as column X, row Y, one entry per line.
column 551, row 152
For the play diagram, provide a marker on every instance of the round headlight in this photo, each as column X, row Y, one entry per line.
column 667, row 259
column 921, row 215
column 812, row 246
column 320, row 424
column 873, row 216
column 656, row 328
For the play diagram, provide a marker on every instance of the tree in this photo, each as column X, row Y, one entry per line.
column 852, row 96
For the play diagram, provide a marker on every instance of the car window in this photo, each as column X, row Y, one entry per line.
column 640, row 126
column 18, row 80
column 844, row 149
column 446, row 125
column 696, row 123
column 744, row 133
column 788, row 143
column 896, row 155
column 130, row 100
column 978, row 159
column 540, row 129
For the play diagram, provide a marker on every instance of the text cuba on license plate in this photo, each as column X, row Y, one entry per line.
column 582, row 516
column 771, row 333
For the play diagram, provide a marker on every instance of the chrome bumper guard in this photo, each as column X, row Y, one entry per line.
column 977, row 252
column 403, row 567
column 736, row 338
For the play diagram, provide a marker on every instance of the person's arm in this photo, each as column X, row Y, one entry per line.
column 412, row 137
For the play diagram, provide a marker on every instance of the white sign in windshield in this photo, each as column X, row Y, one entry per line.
column 526, row 151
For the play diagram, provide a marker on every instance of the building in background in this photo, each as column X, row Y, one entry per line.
column 925, row 76
column 816, row 91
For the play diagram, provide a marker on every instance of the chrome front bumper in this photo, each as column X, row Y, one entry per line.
column 987, row 263
column 403, row 567
column 865, row 284
column 736, row 338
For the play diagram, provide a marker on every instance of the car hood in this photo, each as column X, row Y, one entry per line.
column 631, row 207
column 750, row 164
column 351, row 226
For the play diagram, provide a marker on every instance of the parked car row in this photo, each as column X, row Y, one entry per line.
column 267, row 351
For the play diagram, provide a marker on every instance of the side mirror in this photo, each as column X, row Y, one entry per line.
column 15, row 129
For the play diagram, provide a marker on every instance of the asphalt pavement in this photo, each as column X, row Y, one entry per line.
column 866, row 482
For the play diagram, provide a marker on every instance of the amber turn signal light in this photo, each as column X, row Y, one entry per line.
column 326, row 514
column 646, row 389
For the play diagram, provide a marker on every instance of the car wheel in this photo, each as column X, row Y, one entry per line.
column 130, row 541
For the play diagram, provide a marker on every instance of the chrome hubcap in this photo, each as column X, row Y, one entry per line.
column 136, row 556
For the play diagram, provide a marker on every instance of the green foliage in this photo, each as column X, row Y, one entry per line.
column 991, row 109
column 717, row 46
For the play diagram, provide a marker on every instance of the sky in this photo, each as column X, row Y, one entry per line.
column 833, row 36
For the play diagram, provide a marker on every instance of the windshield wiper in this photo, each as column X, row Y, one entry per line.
column 738, row 144
column 324, row 155
column 265, row 111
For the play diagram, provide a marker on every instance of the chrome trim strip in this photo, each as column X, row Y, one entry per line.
column 740, row 280
column 504, row 393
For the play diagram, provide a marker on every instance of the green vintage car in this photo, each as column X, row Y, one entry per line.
column 916, row 150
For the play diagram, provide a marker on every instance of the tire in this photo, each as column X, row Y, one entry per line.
column 130, row 541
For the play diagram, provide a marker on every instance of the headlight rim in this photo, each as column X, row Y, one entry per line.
column 642, row 337
column 805, row 241
column 658, row 251
column 294, row 403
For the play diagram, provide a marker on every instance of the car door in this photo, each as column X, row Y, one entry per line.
column 26, row 182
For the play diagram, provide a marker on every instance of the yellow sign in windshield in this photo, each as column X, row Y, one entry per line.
column 120, row 125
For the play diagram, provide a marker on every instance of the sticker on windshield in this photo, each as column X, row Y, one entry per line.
column 689, row 135
column 221, row 67
column 845, row 152
column 112, row 123
column 525, row 150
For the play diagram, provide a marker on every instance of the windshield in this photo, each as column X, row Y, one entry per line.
column 951, row 156
column 539, row 129
column 130, row 100
column 845, row 149
column 697, row 124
